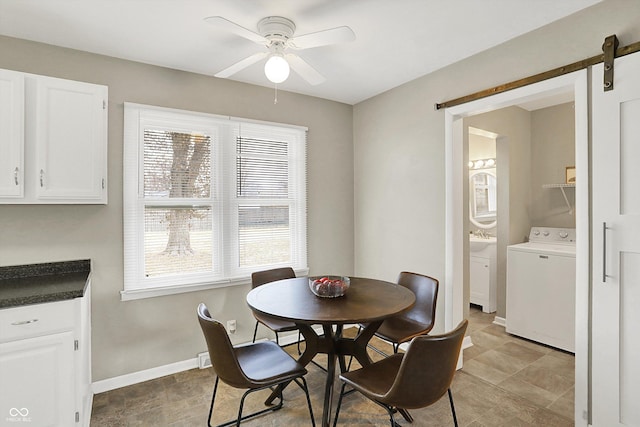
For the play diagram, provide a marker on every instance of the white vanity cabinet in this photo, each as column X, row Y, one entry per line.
column 483, row 275
column 60, row 157
column 45, row 364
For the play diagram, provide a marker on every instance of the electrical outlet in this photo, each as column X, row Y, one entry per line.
column 204, row 361
column 231, row 326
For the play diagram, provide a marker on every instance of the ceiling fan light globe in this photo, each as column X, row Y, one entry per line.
column 276, row 69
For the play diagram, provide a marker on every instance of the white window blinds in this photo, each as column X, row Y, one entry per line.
column 208, row 200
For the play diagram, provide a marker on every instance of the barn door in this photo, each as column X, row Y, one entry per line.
column 615, row 230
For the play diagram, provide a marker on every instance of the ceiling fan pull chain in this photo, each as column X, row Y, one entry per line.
column 275, row 99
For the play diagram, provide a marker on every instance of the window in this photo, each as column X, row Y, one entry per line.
column 208, row 200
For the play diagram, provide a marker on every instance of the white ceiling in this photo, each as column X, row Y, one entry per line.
column 396, row 41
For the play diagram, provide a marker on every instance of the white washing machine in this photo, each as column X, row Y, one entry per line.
column 541, row 287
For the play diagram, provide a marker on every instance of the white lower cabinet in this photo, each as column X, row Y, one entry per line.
column 45, row 364
column 482, row 283
column 37, row 381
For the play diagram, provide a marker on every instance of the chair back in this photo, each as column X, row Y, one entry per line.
column 221, row 351
column 426, row 290
column 261, row 277
column 426, row 370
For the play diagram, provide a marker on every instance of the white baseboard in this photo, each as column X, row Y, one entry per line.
column 466, row 342
column 88, row 407
column 172, row 368
column 145, row 375
column 500, row 321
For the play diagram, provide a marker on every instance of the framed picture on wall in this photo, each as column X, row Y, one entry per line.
column 570, row 174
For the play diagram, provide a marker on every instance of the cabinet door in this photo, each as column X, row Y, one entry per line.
column 70, row 141
column 479, row 281
column 38, row 381
column 11, row 134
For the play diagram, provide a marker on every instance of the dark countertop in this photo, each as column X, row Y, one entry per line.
column 41, row 283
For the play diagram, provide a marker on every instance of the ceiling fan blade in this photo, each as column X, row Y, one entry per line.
column 241, row 65
column 323, row 38
column 234, row 28
column 305, row 70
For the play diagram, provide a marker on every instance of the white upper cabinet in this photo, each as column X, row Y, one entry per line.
column 64, row 145
column 70, row 140
column 11, row 134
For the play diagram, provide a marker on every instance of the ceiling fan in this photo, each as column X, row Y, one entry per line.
column 276, row 33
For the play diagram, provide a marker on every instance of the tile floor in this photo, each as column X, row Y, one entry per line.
column 506, row 381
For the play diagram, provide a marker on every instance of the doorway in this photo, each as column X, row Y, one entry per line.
column 457, row 240
column 484, row 201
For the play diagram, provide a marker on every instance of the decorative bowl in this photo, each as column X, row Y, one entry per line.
column 329, row 286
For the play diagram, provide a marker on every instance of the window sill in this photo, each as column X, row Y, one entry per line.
column 135, row 294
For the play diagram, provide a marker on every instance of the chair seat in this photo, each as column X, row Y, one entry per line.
column 401, row 329
column 266, row 363
column 374, row 380
column 274, row 323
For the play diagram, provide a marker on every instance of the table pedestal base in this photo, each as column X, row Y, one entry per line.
column 336, row 347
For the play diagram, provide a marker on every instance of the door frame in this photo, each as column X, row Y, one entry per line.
column 455, row 204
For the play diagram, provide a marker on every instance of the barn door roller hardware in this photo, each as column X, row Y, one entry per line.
column 609, row 47
column 611, row 51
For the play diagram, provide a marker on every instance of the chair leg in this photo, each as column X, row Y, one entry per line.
column 240, row 417
column 335, row 421
column 304, row 387
column 393, row 421
column 406, row 415
column 213, row 399
column 377, row 350
column 453, row 409
column 390, row 410
column 255, row 331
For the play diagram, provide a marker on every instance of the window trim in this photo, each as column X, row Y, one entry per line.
column 133, row 204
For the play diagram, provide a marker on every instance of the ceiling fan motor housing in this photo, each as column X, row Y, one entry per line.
column 276, row 28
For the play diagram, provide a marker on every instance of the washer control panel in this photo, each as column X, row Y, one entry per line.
column 553, row 235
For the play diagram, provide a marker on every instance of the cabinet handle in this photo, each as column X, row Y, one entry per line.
column 604, row 252
column 41, row 178
column 24, row 322
column 15, row 175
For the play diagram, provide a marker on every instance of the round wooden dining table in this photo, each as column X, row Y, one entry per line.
column 367, row 301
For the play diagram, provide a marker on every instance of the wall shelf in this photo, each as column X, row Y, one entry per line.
column 562, row 187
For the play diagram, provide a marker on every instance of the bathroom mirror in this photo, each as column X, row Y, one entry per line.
column 483, row 199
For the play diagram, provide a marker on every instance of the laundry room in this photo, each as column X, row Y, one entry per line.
column 521, row 191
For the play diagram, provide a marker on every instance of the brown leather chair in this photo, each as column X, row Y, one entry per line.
column 415, row 379
column 419, row 319
column 259, row 278
column 253, row 367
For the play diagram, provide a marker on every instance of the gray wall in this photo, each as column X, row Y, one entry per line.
column 135, row 335
column 399, row 139
column 552, row 150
